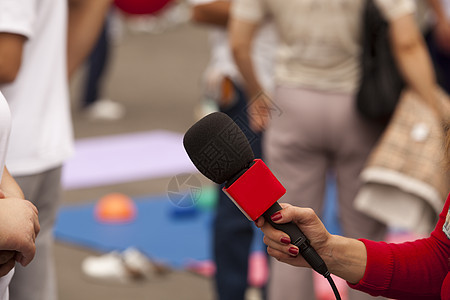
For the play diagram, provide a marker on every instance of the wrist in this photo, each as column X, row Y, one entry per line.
column 346, row 258
column 253, row 91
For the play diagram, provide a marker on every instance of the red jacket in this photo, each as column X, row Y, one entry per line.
column 411, row 270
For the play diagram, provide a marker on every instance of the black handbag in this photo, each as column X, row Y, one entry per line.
column 381, row 82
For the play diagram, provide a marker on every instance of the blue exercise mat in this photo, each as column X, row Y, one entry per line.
column 160, row 231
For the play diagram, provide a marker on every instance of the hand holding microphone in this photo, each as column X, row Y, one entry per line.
column 221, row 152
column 279, row 245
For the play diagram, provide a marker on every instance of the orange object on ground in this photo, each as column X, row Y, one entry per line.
column 115, row 208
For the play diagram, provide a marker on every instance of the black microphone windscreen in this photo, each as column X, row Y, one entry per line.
column 218, row 147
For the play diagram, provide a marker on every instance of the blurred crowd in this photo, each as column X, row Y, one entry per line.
column 289, row 71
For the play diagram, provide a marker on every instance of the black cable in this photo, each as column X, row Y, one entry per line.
column 333, row 286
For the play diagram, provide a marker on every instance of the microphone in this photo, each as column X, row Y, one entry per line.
column 220, row 151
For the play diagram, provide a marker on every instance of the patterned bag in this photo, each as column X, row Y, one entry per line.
column 405, row 181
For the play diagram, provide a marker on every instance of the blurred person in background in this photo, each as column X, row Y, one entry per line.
column 18, row 217
column 412, row 270
column 223, row 85
column 317, row 75
column 93, row 104
column 41, row 43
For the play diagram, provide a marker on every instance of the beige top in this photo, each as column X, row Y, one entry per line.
column 320, row 39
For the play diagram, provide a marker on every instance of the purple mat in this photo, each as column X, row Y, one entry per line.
column 125, row 158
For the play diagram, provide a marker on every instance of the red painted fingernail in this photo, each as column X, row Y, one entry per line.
column 276, row 216
column 285, row 240
column 293, row 251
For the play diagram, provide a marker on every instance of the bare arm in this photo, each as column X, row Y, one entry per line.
column 213, row 13
column 11, row 48
column 413, row 59
column 9, row 186
column 242, row 34
column 86, row 18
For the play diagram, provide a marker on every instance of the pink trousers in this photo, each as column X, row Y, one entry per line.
column 314, row 133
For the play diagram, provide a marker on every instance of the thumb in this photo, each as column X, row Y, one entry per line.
column 283, row 215
column 294, row 214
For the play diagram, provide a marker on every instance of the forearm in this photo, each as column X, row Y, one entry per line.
column 245, row 66
column 241, row 37
column 86, row 18
column 214, row 13
column 413, row 60
column 9, row 186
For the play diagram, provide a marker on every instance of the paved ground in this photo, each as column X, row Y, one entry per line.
column 156, row 77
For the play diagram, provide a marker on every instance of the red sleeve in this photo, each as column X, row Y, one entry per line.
column 411, row 270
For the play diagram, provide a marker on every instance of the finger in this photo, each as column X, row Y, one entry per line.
column 265, row 122
column 27, row 251
column 254, row 124
column 275, row 235
column 6, row 255
column 2, row 195
column 32, row 206
column 284, row 205
column 27, row 257
column 36, row 226
column 285, row 258
column 24, row 261
column 280, row 216
column 294, row 214
column 34, row 218
column 259, row 222
column 285, row 247
column 6, row 267
column 18, row 257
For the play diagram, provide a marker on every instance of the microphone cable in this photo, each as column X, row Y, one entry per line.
column 333, row 286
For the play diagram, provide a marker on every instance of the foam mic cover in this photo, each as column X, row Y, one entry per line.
column 218, row 147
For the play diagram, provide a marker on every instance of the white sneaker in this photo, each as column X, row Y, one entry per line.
column 105, row 109
column 108, row 267
column 130, row 265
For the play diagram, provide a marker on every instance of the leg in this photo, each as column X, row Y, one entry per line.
column 233, row 233
column 352, row 140
column 96, row 67
column 38, row 281
column 232, row 240
column 293, row 147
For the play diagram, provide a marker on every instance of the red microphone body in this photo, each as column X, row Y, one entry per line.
column 255, row 191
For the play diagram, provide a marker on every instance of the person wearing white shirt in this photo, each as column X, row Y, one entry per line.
column 18, row 217
column 37, row 56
